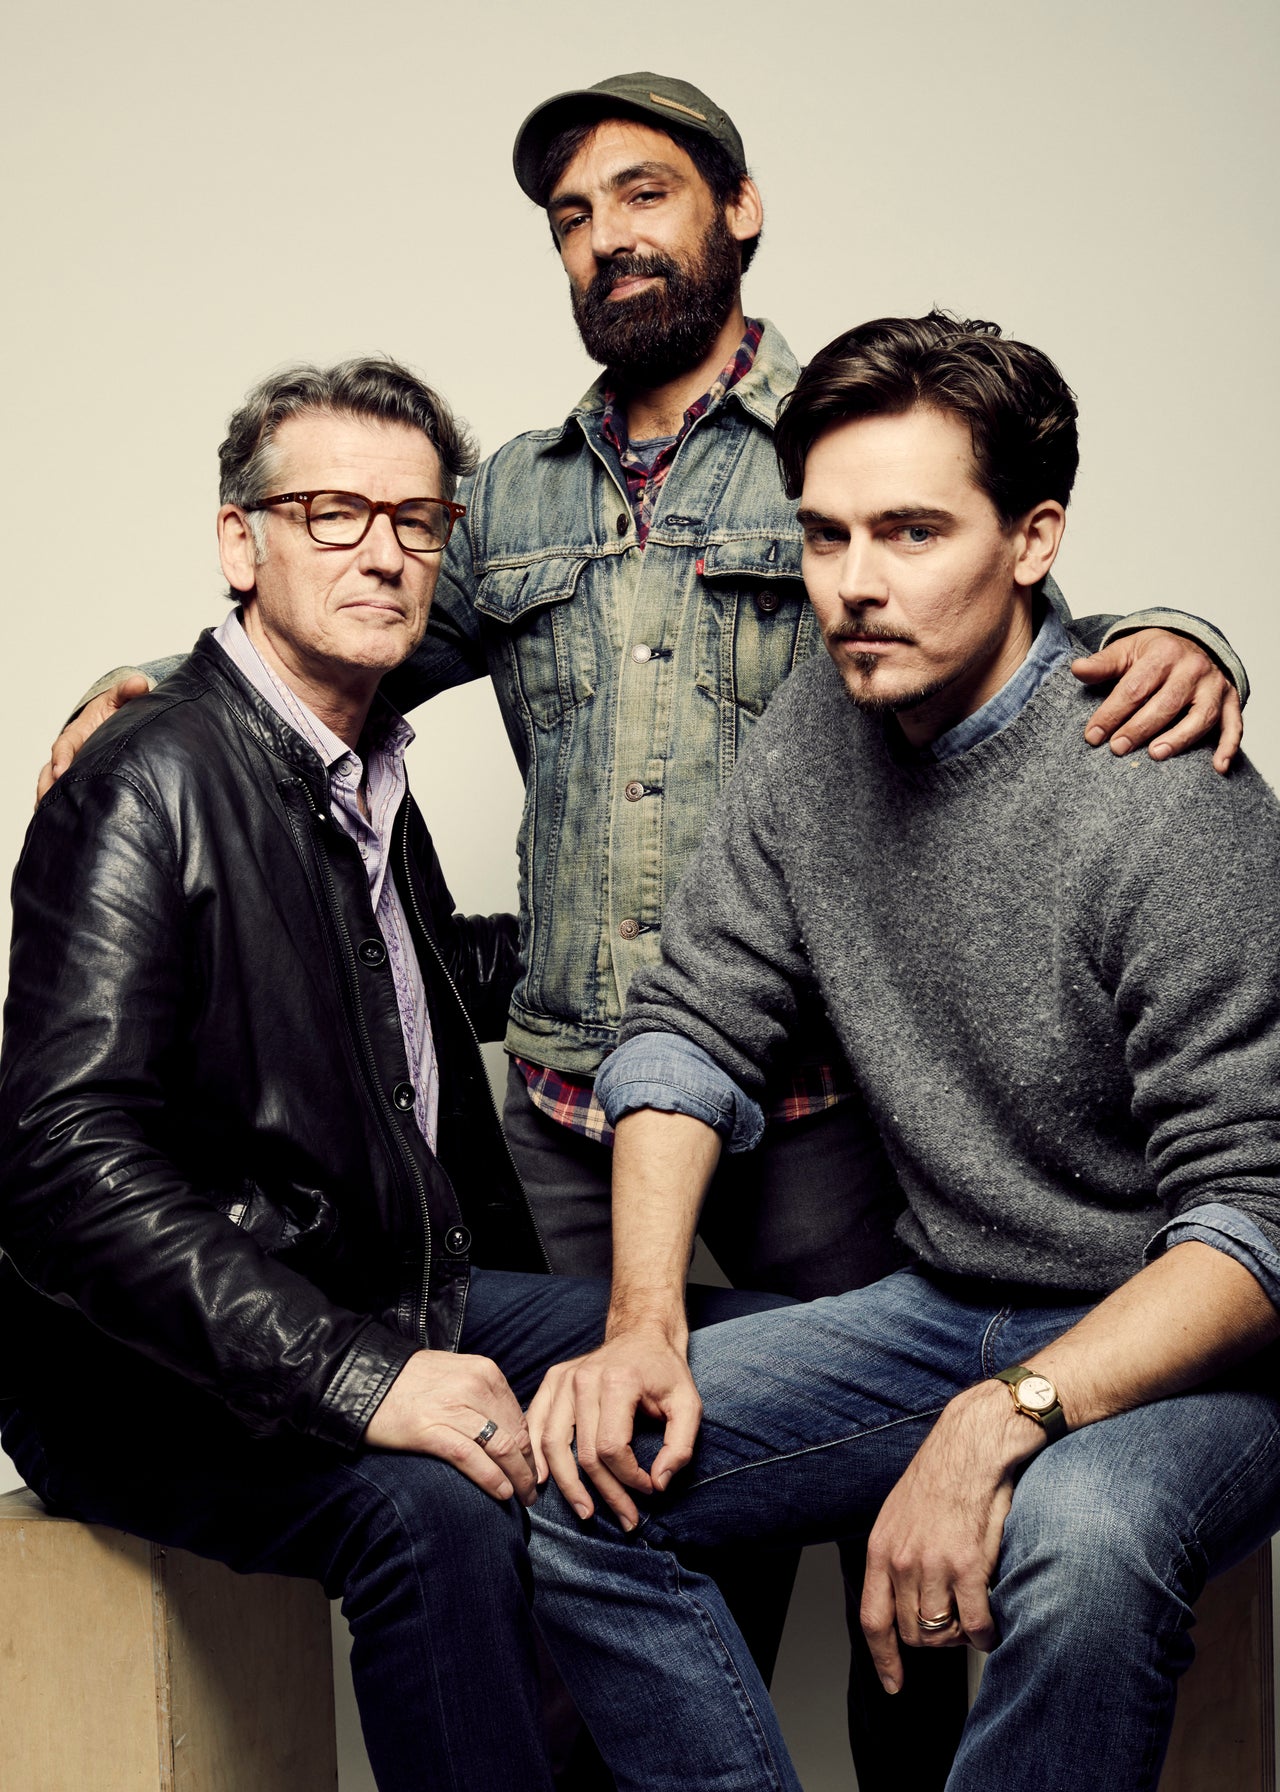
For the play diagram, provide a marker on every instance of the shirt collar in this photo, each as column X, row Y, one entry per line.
column 385, row 731
column 738, row 365
column 1050, row 649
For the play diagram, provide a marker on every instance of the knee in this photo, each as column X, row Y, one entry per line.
column 1082, row 1544
column 422, row 1523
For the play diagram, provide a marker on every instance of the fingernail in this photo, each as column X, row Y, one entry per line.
column 661, row 1480
column 1094, row 736
column 582, row 1509
column 628, row 1524
column 1121, row 745
column 888, row 1685
column 1161, row 751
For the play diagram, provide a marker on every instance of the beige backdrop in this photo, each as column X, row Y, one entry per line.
column 195, row 194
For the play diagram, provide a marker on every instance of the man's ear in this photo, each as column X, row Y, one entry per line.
column 236, row 549
column 744, row 214
column 1040, row 536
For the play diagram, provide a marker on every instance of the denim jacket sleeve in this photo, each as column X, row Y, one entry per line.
column 1100, row 631
column 669, row 1072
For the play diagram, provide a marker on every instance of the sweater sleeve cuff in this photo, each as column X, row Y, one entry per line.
column 669, row 1072
column 1227, row 1230
column 360, row 1384
column 1179, row 622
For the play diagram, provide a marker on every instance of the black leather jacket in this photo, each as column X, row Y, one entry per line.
column 208, row 1154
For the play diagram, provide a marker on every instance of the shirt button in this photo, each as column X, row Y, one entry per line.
column 623, row 522
column 634, row 791
column 629, row 928
column 457, row 1241
column 641, row 653
column 403, row 1097
column 371, row 952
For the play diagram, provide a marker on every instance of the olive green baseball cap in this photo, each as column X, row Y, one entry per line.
column 648, row 96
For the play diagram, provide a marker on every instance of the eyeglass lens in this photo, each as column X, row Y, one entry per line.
column 339, row 518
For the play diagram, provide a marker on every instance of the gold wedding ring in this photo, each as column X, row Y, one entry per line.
column 931, row 1626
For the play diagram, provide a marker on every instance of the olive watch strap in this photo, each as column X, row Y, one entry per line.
column 1050, row 1417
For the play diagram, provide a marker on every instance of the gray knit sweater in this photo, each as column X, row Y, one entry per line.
column 1055, row 973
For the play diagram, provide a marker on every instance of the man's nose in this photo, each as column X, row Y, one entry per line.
column 862, row 580
column 380, row 551
column 612, row 233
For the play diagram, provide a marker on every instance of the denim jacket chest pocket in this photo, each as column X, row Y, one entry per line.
column 547, row 659
column 755, row 623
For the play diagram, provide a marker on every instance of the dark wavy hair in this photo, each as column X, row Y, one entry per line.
column 1020, row 411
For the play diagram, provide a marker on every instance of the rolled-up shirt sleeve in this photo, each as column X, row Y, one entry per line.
column 1228, row 1230
column 669, row 1072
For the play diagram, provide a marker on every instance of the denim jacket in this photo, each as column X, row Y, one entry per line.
column 628, row 680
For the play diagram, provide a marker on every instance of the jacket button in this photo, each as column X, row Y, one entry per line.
column 623, row 522
column 371, row 952
column 634, row 791
column 403, row 1097
column 457, row 1241
column 641, row 653
column 767, row 602
column 629, row 928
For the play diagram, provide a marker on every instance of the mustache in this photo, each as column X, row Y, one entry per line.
column 866, row 631
column 628, row 267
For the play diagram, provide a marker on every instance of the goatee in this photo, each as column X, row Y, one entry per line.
column 658, row 334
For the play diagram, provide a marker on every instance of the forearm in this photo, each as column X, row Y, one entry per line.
column 662, row 1166
column 1189, row 1316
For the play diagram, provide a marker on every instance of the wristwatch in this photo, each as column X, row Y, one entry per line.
column 1036, row 1398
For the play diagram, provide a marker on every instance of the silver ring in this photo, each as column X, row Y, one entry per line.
column 931, row 1626
column 488, row 1429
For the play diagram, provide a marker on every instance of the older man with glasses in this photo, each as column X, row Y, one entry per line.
column 264, row 1284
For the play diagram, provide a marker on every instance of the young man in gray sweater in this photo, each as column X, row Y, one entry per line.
column 1055, row 979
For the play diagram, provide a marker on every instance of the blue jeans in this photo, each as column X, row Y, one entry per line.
column 433, row 1574
column 811, row 1415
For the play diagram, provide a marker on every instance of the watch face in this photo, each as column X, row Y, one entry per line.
column 1037, row 1392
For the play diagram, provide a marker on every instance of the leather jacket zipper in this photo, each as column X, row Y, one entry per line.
column 369, row 1064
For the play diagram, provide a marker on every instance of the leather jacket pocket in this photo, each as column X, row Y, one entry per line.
column 549, row 657
column 288, row 1223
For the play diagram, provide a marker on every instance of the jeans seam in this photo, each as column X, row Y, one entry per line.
column 794, row 1455
column 986, row 1351
column 386, row 1496
column 708, row 1623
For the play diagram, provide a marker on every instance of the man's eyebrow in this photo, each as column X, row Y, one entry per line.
column 819, row 517
column 623, row 178
column 911, row 513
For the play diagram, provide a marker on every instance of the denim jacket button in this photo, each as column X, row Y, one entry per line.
column 634, row 791
column 629, row 928
column 623, row 521
column 403, row 1096
column 641, row 652
column 767, row 602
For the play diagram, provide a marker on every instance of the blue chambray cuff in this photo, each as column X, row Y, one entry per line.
column 669, row 1072
column 1179, row 622
column 1227, row 1230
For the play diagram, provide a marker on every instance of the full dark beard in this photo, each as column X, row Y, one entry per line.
column 660, row 333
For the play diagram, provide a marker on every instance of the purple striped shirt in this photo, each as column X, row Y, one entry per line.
column 386, row 736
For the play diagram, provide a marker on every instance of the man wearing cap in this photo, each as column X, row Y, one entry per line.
column 630, row 579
